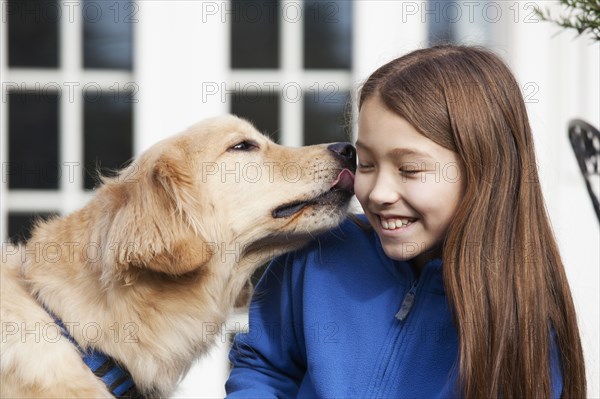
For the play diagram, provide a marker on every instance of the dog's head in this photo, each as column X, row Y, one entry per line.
column 223, row 189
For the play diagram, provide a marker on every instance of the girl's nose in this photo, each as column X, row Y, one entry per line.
column 384, row 192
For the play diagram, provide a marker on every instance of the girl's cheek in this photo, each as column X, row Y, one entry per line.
column 361, row 188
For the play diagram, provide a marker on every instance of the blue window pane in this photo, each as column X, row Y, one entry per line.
column 326, row 117
column 108, row 34
column 20, row 224
column 108, row 134
column 255, row 34
column 328, row 34
column 262, row 109
column 441, row 23
column 459, row 22
column 33, row 140
column 33, row 33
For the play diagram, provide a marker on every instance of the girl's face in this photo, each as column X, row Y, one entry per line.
column 408, row 186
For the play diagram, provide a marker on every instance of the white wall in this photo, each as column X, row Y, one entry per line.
column 180, row 46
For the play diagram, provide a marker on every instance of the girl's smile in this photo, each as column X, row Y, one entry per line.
column 408, row 185
column 395, row 224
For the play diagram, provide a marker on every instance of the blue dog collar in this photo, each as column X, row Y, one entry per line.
column 115, row 377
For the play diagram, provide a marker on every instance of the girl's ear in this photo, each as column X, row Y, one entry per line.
column 153, row 222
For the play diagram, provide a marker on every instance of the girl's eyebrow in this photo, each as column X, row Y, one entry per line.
column 398, row 152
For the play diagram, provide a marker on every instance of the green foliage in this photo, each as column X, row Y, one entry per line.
column 582, row 15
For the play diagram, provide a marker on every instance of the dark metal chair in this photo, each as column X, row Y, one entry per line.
column 585, row 140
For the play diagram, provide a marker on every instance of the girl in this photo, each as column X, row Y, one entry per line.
column 457, row 289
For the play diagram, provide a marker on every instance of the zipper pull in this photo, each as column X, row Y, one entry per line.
column 407, row 303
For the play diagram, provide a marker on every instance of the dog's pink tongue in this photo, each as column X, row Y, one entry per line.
column 344, row 181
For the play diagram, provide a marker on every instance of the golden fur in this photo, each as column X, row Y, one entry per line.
column 161, row 251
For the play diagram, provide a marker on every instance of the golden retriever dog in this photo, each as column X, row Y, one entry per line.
column 161, row 250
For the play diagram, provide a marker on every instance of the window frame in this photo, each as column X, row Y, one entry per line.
column 71, row 79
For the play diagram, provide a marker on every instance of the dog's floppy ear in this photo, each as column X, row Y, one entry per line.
column 155, row 222
column 171, row 175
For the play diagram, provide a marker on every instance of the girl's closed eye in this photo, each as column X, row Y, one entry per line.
column 409, row 171
column 364, row 165
column 411, row 168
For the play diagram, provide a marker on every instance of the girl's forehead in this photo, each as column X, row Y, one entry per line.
column 377, row 125
column 392, row 137
column 374, row 112
column 383, row 131
column 372, row 104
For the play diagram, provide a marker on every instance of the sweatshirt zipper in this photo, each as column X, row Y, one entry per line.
column 407, row 302
column 376, row 390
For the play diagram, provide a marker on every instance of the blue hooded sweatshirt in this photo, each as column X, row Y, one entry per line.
column 339, row 319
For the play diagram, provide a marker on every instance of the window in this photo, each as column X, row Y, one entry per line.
column 255, row 34
column 33, row 27
column 327, row 117
column 459, row 22
column 107, row 34
column 262, row 109
column 69, row 99
column 291, row 68
column 107, row 128
column 33, row 139
column 21, row 223
column 327, row 34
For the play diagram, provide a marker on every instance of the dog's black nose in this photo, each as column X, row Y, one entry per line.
column 346, row 153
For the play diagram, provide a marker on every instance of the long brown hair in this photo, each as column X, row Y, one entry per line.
column 503, row 274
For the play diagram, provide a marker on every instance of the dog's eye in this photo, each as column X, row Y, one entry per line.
column 245, row 145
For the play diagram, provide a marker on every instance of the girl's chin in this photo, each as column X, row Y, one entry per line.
column 417, row 254
column 401, row 251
